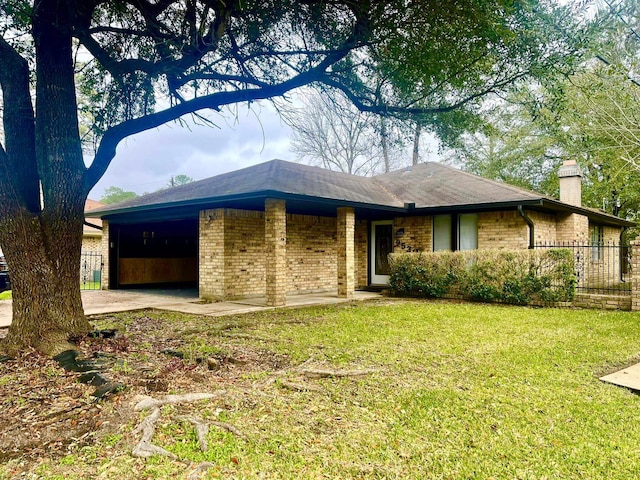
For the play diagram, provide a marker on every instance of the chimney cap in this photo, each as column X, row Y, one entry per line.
column 569, row 168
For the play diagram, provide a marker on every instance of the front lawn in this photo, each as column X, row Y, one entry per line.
column 458, row 391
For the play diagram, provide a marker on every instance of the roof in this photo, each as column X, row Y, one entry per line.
column 432, row 185
column 428, row 186
column 96, row 230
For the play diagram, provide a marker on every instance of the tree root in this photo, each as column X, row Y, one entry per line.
column 89, row 371
column 199, row 470
column 320, row 373
column 299, row 387
column 202, row 430
column 248, row 336
column 147, row 427
column 145, row 448
column 230, row 428
column 149, row 402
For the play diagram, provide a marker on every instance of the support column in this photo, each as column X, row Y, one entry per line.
column 635, row 275
column 275, row 240
column 211, row 271
column 105, row 249
column 346, row 252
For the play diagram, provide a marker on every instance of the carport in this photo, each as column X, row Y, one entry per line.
column 154, row 254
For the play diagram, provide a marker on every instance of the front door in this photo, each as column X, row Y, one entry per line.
column 381, row 247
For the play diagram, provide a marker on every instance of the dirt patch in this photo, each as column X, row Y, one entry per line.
column 45, row 409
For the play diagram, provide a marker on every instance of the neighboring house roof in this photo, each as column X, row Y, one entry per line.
column 429, row 187
column 96, row 230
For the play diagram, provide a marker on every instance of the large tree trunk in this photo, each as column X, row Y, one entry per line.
column 43, row 253
column 44, row 191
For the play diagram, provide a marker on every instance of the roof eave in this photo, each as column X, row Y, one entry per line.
column 604, row 218
column 211, row 201
column 477, row 207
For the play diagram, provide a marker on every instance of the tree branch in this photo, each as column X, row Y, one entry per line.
column 388, row 109
column 114, row 135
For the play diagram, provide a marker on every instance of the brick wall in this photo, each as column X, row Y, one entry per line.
column 502, row 230
column 635, row 279
column 244, row 249
column 104, row 284
column 602, row 264
column 311, row 253
column 362, row 252
column 92, row 244
column 211, row 282
column 572, row 228
column 544, row 226
column 417, row 234
column 603, row 302
column 233, row 253
column 345, row 251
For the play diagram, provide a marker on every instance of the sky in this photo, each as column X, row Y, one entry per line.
column 147, row 161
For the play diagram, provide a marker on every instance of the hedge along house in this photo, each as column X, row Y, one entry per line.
column 282, row 228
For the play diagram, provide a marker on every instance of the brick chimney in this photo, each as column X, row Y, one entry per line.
column 570, row 183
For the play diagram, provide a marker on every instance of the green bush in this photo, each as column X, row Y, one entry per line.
column 518, row 277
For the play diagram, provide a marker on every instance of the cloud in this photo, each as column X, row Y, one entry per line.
column 145, row 162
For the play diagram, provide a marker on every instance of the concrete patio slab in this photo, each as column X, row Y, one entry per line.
column 627, row 377
column 97, row 302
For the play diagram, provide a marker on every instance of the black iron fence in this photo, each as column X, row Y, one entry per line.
column 601, row 268
column 90, row 271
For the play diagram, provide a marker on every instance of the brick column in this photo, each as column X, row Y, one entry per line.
column 346, row 252
column 106, row 251
column 635, row 275
column 211, row 271
column 275, row 243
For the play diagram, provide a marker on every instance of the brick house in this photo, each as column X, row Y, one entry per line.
column 282, row 228
column 92, row 229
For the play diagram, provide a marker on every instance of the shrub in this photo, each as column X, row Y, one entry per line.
column 519, row 277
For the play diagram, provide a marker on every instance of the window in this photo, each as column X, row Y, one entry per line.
column 455, row 232
column 468, row 231
column 597, row 242
column 442, row 232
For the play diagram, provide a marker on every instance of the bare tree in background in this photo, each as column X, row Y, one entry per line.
column 329, row 132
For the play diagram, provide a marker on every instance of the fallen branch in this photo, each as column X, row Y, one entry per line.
column 319, row 373
column 271, row 379
column 150, row 402
column 202, row 430
column 145, row 448
column 230, row 428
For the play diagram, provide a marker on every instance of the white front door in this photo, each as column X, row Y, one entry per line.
column 381, row 247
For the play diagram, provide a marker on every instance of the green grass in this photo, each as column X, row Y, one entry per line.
column 463, row 392
column 6, row 295
column 89, row 285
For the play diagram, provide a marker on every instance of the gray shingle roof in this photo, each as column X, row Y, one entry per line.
column 427, row 185
column 436, row 185
column 272, row 176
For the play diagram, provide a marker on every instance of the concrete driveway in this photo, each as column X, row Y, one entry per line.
column 185, row 301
